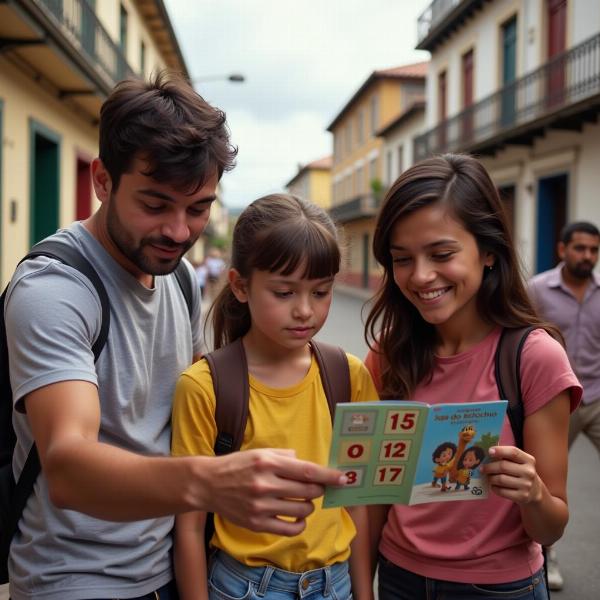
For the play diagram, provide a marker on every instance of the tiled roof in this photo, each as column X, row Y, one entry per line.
column 412, row 71
column 321, row 163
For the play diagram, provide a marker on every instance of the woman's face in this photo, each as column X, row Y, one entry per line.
column 438, row 266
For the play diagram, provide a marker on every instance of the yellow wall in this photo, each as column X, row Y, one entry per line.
column 320, row 187
column 345, row 160
column 24, row 100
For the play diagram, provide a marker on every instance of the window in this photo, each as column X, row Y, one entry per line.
column 442, row 96
column 400, row 159
column 374, row 114
column 142, row 59
column 372, row 170
column 349, row 138
column 360, row 128
column 388, row 167
column 360, row 184
column 123, row 29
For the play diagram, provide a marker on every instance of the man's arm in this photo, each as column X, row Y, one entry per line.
column 252, row 489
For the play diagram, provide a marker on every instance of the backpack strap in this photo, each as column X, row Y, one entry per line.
column 335, row 373
column 229, row 370
column 508, row 376
column 184, row 280
column 72, row 257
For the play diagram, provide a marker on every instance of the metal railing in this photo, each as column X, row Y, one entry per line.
column 568, row 78
column 362, row 206
column 433, row 15
column 79, row 23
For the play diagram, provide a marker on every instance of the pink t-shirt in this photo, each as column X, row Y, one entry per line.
column 482, row 541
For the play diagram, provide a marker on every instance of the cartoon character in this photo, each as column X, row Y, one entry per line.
column 443, row 456
column 465, row 435
column 468, row 460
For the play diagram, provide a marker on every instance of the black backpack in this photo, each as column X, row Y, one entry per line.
column 14, row 495
column 229, row 372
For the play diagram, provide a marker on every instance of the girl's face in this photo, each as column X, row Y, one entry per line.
column 286, row 311
column 438, row 267
column 445, row 456
column 470, row 460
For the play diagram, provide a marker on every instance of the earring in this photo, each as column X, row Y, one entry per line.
column 490, row 267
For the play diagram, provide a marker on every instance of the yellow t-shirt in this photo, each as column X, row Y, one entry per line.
column 295, row 417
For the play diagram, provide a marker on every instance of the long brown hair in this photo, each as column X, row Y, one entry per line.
column 276, row 233
column 405, row 341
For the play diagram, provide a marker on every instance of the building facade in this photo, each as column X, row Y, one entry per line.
column 59, row 59
column 358, row 168
column 313, row 182
column 517, row 83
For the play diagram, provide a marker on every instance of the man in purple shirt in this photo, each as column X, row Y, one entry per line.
column 569, row 297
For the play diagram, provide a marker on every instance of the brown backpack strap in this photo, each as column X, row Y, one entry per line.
column 335, row 373
column 229, row 371
column 508, row 376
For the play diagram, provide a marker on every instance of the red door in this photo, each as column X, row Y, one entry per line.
column 467, row 70
column 442, row 111
column 557, row 41
column 84, row 190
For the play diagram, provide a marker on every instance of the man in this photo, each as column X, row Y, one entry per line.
column 569, row 296
column 98, row 523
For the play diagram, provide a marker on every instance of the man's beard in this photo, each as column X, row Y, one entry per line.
column 581, row 270
column 135, row 253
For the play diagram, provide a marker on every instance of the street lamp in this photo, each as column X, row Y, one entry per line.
column 233, row 77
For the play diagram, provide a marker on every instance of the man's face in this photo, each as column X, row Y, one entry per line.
column 580, row 255
column 152, row 224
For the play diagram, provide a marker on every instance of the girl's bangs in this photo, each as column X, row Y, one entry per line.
column 289, row 246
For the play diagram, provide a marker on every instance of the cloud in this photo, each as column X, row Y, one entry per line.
column 302, row 61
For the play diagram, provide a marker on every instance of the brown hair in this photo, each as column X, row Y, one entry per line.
column 184, row 139
column 276, row 233
column 405, row 341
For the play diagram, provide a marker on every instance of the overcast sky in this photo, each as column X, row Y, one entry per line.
column 302, row 59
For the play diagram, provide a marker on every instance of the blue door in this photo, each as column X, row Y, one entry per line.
column 551, row 218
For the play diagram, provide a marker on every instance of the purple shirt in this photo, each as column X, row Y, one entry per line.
column 579, row 323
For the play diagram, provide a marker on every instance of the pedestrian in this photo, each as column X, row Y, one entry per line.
column 214, row 266
column 569, row 297
column 201, row 276
column 98, row 523
column 450, row 284
column 285, row 256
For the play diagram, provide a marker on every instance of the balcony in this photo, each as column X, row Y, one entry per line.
column 361, row 207
column 562, row 94
column 62, row 45
column 441, row 18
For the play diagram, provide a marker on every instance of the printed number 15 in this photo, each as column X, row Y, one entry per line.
column 407, row 422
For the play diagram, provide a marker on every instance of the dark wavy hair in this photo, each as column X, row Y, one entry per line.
column 394, row 328
column 184, row 140
column 276, row 233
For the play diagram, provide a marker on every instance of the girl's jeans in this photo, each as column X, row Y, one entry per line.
column 229, row 579
column 395, row 583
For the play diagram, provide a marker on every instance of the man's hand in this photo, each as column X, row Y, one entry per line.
column 267, row 490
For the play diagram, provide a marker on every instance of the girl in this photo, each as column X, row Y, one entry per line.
column 285, row 256
column 451, row 283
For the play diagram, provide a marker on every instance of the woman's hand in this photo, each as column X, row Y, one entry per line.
column 512, row 475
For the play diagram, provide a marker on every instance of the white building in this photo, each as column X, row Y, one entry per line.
column 517, row 82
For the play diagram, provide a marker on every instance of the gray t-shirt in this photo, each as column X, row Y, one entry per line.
column 53, row 317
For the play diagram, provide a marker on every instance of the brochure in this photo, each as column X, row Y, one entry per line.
column 403, row 452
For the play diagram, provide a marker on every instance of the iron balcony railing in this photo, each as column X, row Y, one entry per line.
column 433, row 15
column 357, row 208
column 567, row 79
column 79, row 23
